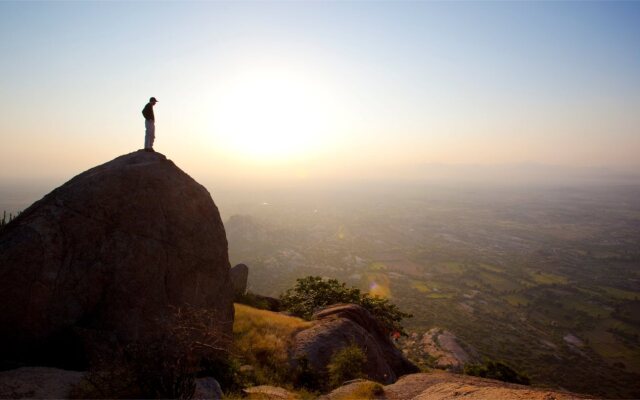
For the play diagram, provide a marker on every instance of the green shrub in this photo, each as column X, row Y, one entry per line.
column 346, row 364
column 496, row 370
column 312, row 293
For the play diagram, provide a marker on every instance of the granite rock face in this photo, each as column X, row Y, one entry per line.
column 342, row 325
column 239, row 276
column 113, row 250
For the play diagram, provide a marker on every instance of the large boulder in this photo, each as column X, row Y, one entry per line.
column 239, row 276
column 115, row 250
column 342, row 325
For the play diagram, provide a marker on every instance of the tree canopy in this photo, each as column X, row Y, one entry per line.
column 313, row 292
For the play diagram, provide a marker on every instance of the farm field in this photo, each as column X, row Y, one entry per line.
column 540, row 279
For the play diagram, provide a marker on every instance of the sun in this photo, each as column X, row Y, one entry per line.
column 273, row 114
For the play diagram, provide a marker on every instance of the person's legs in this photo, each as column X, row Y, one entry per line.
column 152, row 137
column 149, row 134
column 146, row 133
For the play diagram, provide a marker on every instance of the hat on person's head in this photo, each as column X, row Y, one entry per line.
column 153, row 99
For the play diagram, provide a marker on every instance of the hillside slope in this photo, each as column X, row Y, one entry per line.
column 263, row 339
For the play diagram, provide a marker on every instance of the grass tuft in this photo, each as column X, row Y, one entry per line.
column 262, row 339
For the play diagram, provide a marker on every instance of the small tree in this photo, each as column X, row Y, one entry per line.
column 346, row 364
column 312, row 293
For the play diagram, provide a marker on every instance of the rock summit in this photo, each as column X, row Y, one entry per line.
column 111, row 251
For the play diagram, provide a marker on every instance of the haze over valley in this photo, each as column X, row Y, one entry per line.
column 545, row 278
column 225, row 199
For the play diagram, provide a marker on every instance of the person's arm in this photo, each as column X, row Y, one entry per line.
column 147, row 112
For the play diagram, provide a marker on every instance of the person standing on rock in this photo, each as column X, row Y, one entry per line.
column 149, row 124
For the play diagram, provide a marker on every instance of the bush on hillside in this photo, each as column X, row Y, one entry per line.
column 312, row 293
column 496, row 370
column 346, row 364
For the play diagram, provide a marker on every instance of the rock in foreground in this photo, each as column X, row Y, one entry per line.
column 38, row 383
column 109, row 252
column 445, row 386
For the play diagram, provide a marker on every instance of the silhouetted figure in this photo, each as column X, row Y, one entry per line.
column 149, row 124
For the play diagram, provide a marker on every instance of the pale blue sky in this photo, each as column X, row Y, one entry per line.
column 401, row 82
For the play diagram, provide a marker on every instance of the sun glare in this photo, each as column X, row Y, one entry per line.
column 273, row 114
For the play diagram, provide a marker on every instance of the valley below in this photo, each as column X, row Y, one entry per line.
column 546, row 280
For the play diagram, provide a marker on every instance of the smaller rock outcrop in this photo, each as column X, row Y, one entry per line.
column 207, row 388
column 445, row 386
column 442, row 347
column 239, row 276
column 342, row 325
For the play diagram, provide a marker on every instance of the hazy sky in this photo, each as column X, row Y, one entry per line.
column 302, row 90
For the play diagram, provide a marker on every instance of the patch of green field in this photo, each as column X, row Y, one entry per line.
column 516, row 300
column 498, row 282
column 545, row 278
column 377, row 266
column 526, row 283
column 591, row 309
column 433, row 289
column 613, row 350
column 451, row 267
column 420, row 286
column 621, row 294
column 620, row 325
column 492, row 268
column 437, row 295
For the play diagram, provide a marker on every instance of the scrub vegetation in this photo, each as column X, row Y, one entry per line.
column 313, row 293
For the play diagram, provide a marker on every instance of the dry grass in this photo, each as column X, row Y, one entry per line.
column 264, row 330
column 262, row 339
